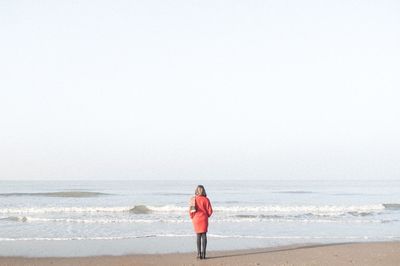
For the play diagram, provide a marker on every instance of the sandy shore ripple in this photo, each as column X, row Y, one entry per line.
column 384, row 253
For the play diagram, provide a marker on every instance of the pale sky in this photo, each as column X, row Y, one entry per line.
column 199, row 89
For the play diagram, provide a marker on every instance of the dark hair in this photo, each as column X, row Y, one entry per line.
column 200, row 191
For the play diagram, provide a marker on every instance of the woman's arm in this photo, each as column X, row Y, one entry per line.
column 209, row 208
column 192, row 207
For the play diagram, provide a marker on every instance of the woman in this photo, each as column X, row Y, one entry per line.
column 199, row 215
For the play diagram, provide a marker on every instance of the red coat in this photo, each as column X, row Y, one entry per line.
column 200, row 217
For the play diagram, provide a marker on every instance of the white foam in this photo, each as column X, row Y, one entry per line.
column 266, row 209
column 94, row 209
column 63, row 210
column 305, row 209
column 106, row 221
column 191, row 235
column 90, row 238
column 181, row 220
column 299, row 237
column 291, row 220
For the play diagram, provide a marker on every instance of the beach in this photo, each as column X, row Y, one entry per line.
column 254, row 223
column 382, row 253
column 95, row 218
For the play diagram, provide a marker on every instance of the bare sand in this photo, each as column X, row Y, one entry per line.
column 382, row 253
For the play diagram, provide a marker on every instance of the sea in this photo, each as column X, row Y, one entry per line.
column 116, row 217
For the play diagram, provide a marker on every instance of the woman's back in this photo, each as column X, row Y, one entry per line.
column 200, row 209
column 200, row 217
column 203, row 207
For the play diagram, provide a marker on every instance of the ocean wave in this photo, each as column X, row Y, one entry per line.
column 136, row 209
column 14, row 219
column 250, row 219
column 173, row 194
column 303, row 218
column 304, row 209
column 345, row 194
column 29, row 219
column 63, row 210
column 140, row 209
column 277, row 237
column 361, row 213
column 294, row 192
column 62, row 194
column 91, row 238
column 311, row 210
column 71, row 238
column 300, row 237
column 247, row 216
column 392, row 206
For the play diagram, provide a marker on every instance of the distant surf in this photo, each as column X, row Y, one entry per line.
column 140, row 209
column 392, row 206
column 240, row 211
column 62, row 194
column 15, row 219
column 189, row 235
column 294, row 192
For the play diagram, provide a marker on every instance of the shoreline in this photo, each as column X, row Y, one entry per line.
column 362, row 253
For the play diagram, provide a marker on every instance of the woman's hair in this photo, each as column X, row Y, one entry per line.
column 200, row 191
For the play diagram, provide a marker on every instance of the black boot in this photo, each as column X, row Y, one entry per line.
column 204, row 244
column 198, row 246
column 203, row 255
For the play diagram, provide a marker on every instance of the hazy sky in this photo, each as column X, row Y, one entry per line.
column 199, row 89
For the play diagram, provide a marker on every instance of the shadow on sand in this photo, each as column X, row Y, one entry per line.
column 244, row 252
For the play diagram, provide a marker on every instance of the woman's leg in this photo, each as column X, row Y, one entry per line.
column 204, row 240
column 199, row 245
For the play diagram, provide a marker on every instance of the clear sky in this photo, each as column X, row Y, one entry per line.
column 199, row 89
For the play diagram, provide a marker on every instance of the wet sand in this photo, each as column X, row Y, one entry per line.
column 382, row 253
